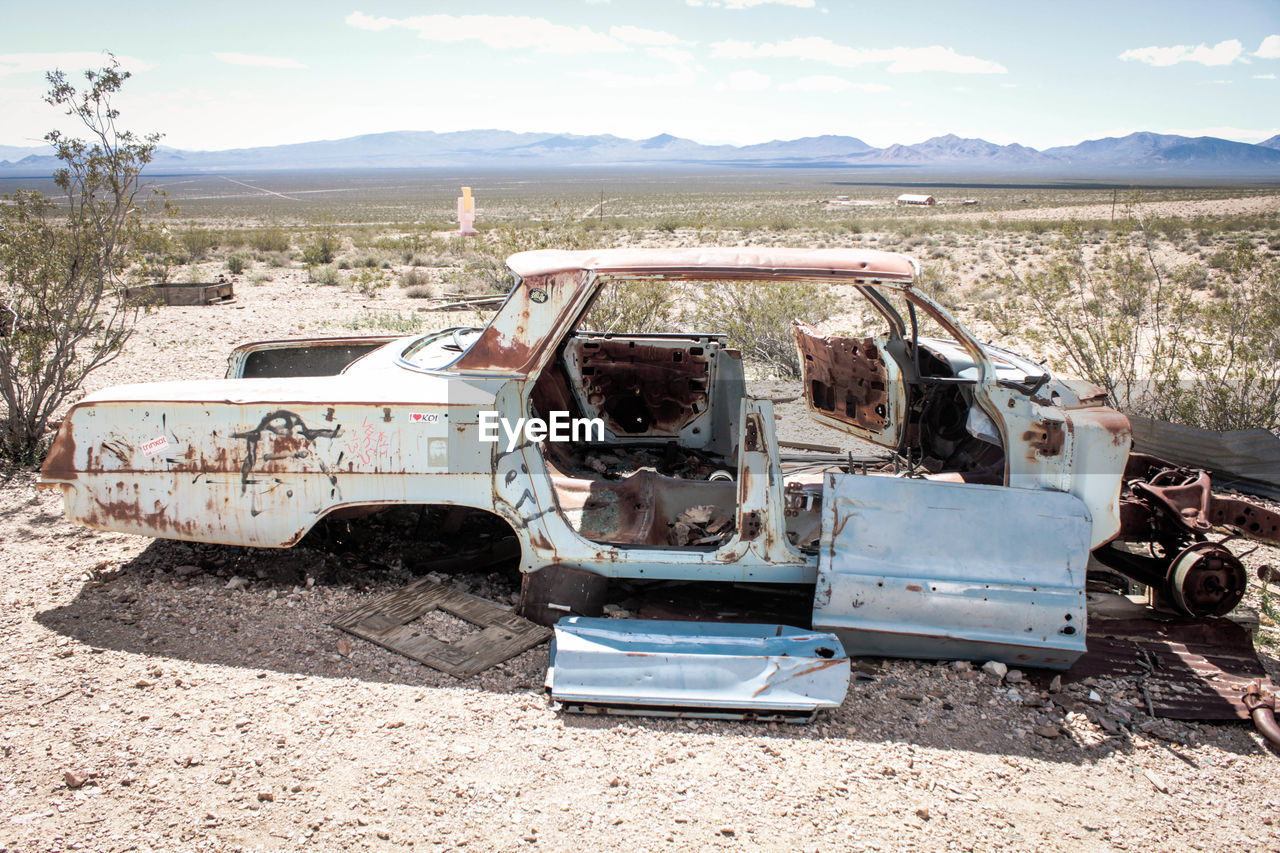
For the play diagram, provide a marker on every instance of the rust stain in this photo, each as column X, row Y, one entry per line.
column 640, row 387
column 1046, row 438
column 845, row 377
column 818, row 667
column 112, row 514
column 60, row 463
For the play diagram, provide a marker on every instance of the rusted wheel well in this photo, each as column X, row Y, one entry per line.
column 422, row 534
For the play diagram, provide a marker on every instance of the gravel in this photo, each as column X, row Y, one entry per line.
column 166, row 696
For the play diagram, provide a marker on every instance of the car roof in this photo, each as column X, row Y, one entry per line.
column 720, row 262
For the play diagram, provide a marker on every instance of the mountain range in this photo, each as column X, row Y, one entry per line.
column 1137, row 154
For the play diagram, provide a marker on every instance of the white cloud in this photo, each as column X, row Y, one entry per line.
column 647, row 38
column 747, row 4
column 897, row 59
column 673, row 55
column 1264, row 77
column 679, row 78
column 1008, row 85
column 258, row 61
column 747, row 81
column 1222, row 53
column 1269, row 49
column 23, row 63
column 828, row 83
column 500, row 32
column 1239, row 134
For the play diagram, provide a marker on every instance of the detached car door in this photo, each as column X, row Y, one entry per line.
column 852, row 384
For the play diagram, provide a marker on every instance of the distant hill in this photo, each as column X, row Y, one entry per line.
column 1167, row 152
column 1138, row 154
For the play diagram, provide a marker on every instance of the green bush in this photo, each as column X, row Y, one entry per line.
column 1126, row 323
column 757, row 317
column 198, row 242
column 270, row 238
column 631, row 307
column 326, row 276
column 414, row 278
column 238, row 263
column 323, row 248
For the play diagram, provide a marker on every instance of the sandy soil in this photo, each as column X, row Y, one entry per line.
column 161, row 696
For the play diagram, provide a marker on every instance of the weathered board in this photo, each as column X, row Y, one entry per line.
column 386, row 620
column 203, row 293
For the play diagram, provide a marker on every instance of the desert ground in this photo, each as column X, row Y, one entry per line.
column 161, row 696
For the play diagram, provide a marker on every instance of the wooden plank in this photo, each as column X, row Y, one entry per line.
column 386, row 620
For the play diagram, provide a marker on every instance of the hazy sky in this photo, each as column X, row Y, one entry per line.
column 237, row 74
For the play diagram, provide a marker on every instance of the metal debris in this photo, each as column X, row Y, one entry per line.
column 1186, row 668
column 913, row 568
column 387, row 620
column 695, row 669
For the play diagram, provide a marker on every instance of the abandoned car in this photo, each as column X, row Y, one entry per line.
column 985, row 494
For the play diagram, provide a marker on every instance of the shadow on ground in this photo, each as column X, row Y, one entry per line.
column 268, row 611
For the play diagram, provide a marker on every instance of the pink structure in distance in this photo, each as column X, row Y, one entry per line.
column 466, row 213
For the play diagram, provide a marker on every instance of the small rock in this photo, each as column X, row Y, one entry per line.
column 186, row 570
column 922, row 813
column 344, row 647
column 237, row 582
column 383, row 834
column 1055, row 686
column 1094, row 697
column 961, row 665
column 1047, row 731
column 995, row 668
column 1156, row 781
column 1014, row 676
column 728, row 831
column 266, row 797
column 75, row 778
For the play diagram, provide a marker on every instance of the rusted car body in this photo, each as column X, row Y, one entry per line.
column 1002, row 479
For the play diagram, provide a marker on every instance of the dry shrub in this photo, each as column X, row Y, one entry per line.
column 757, row 317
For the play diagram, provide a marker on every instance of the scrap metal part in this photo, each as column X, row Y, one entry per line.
column 695, row 669
column 922, row 569
column 1262, row 708
column 1171, row 511
column 387, row 620
column 1186, row 668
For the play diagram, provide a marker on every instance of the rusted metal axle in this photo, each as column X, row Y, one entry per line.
column 1173, row 510
column 1262, row 708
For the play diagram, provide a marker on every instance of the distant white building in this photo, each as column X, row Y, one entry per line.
column 911, row 198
